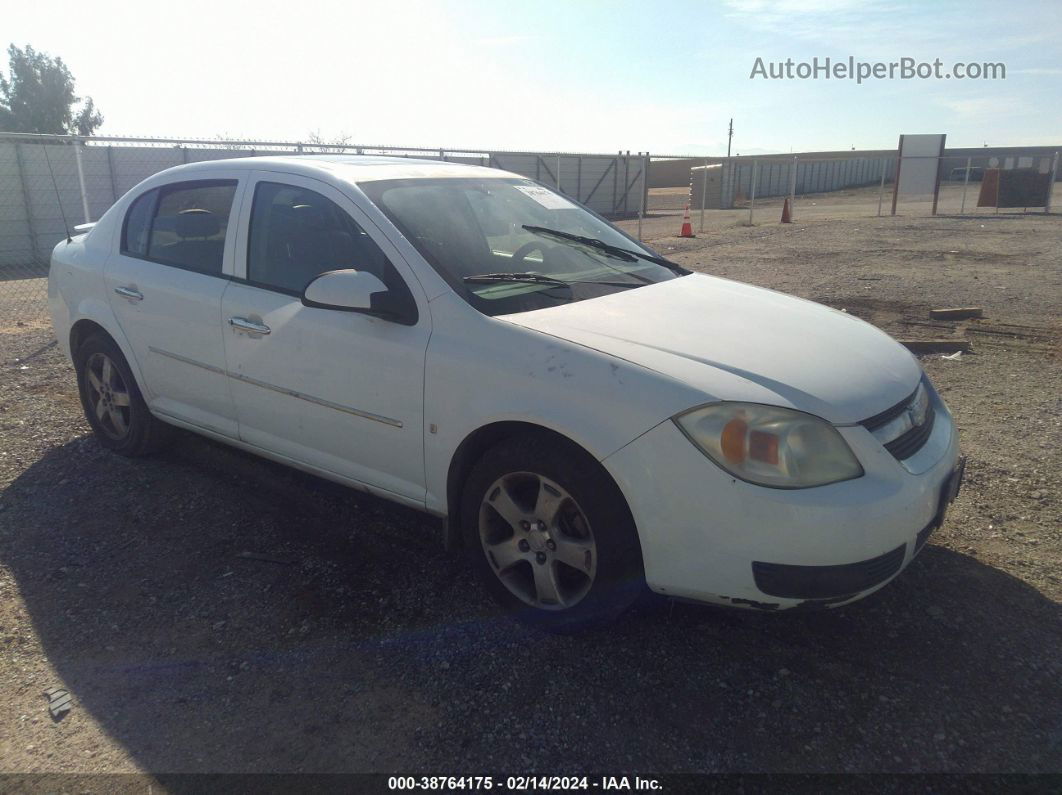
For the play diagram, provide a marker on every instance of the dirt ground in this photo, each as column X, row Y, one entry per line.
column 349, row 641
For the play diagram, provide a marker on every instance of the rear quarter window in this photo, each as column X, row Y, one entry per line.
column 136, row 230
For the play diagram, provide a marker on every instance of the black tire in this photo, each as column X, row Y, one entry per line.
column 618, row 578
column 137, row 432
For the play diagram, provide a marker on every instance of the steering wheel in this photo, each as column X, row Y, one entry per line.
column 527, row 248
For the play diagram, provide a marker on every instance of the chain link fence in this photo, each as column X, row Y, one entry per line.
column 754, row 189
column 829, row 185
column 50, row 184
column 999, row 185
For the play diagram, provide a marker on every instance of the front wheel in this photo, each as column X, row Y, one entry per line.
column 550, row 534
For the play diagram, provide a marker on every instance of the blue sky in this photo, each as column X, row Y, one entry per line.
column 663, row 77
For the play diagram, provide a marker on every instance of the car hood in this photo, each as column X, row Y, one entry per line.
column 733, row 341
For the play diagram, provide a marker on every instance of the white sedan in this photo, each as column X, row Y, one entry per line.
column 587, row 416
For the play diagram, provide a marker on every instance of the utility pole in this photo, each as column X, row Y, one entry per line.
column 729, row 137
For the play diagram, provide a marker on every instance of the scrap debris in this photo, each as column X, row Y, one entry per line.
column 936, row 346
column 957, row 313
column 58, row 702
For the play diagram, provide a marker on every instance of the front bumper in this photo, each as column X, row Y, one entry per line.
column 707, row 536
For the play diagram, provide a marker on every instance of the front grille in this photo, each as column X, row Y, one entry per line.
column 826, row 582
column 911, row 440
column 887, row 416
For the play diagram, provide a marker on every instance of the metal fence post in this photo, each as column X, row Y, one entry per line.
column 704, row 190
column 110, row 173
column 965, row 182
column 641, row 197
column 939, row 178
column 881, row 188
column 792, row 188
column 81, row 179
column 752, row 188
column 26, row 203
column 645, row 183
column 1051, row 184
column 728, row 179
column 626, row 179
column 558, row 172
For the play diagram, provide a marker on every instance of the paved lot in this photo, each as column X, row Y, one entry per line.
column 351, row 642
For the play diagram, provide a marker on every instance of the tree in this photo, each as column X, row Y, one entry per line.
column 38, row 96
column 337, row 145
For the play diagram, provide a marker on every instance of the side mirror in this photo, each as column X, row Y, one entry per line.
column 359, row 291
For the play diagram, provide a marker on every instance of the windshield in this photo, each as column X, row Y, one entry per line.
column 506, row 245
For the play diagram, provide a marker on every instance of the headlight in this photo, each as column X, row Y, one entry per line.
column 770, row 446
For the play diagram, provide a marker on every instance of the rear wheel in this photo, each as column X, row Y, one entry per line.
column 550, row 534
column 112, row 401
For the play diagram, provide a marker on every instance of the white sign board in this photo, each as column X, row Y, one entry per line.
column 917, row 170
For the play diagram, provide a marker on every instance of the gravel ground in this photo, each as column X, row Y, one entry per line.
column 353, row 643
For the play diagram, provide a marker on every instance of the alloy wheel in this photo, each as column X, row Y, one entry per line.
column 108, row 395
column 537, row 541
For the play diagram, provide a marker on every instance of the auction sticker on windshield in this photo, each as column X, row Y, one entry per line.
column 545, row 197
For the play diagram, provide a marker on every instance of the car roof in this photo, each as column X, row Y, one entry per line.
column 350, row 168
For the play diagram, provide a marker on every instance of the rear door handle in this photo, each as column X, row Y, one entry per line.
column 243, row 324
column 131, row 293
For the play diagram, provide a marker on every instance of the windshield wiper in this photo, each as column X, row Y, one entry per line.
column 526, row 278
column 605, row 248
column 539, row 278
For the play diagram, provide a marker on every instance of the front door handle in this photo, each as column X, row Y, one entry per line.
column 131, row 293
column 243, row 324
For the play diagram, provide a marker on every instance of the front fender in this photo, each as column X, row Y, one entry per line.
column 481, row 371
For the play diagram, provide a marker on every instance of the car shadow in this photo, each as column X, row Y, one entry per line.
column 210, row 611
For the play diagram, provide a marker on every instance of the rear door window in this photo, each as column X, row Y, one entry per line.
column 189, row 225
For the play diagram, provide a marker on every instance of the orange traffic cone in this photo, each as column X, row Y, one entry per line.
column 687, row 227
column 786, row 216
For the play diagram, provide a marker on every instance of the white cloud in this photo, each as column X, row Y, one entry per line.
column 823, row 20
column 985, row 107
column 505, row 41
column 789, row 7
column 1036, row 71
column 883, row 29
